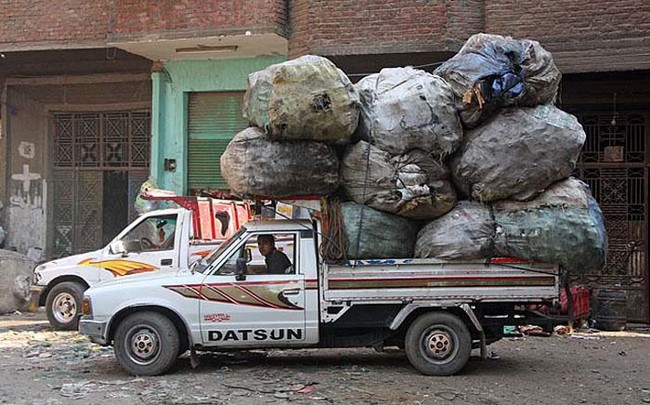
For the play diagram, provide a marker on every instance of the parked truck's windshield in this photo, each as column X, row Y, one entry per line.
column 201, row 265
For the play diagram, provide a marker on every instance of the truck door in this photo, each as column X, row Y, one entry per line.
column 265, row 307
column 148, row 246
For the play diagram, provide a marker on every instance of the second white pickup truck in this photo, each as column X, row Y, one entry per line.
column 437, row 311
column 158, row 240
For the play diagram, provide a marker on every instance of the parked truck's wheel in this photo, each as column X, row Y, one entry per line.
column 63, row 305
column 438, row 343
column 146, row 343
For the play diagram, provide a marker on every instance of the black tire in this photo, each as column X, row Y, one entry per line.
column 146, row 343
column 438, row 343
column 63, row 305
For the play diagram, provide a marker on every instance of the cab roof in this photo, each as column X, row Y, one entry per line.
column 278, row 225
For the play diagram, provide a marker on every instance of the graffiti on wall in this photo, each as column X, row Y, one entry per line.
column 27, row 187
column 27, row 150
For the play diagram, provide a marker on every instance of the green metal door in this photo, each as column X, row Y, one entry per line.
column 214, row 119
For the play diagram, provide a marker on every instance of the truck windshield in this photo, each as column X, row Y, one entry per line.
column 209, row 259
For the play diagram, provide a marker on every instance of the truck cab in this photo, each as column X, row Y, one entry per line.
column 160, row 240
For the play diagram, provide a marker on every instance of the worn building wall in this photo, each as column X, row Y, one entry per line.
column 583, row 36
column 42, row 24
column 169, row 107
column 137, row 17
column 598, row 35
column 370, row 26
column 26, row 125
column 35, row 24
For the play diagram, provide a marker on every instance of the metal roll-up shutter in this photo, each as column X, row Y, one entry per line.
column 214, row 119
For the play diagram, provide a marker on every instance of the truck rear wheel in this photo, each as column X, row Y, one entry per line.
column 63, row 305
column 146, row 343
column 438, row 343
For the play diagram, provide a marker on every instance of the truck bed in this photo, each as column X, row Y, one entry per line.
column 499, row 280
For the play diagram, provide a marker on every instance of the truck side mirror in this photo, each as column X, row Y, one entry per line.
column 117, row 247
column 240, row 270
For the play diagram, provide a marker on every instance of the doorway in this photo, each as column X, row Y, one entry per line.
column 100, row 160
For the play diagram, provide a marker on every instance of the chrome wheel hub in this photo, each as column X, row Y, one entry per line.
column 144, row 345
column 64, row 308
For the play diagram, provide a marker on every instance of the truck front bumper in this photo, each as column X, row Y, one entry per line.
column 35, row 291
column 95, row 330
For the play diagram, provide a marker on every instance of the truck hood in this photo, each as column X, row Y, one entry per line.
column 157, row 277
column 68, row 261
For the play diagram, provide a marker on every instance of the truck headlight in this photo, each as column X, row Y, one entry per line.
column 86, row 306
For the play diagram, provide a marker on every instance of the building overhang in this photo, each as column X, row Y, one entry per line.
column 245, row 45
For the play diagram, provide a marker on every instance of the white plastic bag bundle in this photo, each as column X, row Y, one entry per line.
column 406, row 108
column 413, row 185
column 465, row 233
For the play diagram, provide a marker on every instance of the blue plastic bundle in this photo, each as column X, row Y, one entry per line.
column 491, row 72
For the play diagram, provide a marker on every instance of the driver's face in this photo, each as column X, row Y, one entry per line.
column 265, row 247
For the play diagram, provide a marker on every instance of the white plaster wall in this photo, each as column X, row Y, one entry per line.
column 27, row 183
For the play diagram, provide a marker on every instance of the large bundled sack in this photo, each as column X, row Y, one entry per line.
column 307, row 98
column 491, row 72
column 564, row 225
column 252, row 165
column 518, row 154
column 465, row 233
column 15, row 272
column 406, row 108
column 373, row 234
column 413, row 185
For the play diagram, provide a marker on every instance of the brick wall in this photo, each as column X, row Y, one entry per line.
column 570, row 21
column 597, row 35
column 40, row 24
column 370, row 26
column 142, row 17
column 26, row 22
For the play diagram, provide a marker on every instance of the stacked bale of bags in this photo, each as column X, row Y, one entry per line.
column 470, row 162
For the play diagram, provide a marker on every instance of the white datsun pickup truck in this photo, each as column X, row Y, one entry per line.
column 437, row 311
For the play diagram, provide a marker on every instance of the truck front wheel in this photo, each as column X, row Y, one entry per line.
column 63, row 305
column 146, row 343
column 438, row 343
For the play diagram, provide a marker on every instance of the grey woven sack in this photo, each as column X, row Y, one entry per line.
column 307, row 98
column 564, row 226
column 413, row 185
column 517, row 154
column 406, row 108
column 465, row 233
column 373, row 234
column 252, row 166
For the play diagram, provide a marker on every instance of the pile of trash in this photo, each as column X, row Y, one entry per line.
column 15, row 273
column 470, row 161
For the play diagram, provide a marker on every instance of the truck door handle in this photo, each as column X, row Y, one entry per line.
column 166, row 262
column 291, row 292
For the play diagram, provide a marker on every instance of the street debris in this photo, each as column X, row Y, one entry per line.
column 64, row 368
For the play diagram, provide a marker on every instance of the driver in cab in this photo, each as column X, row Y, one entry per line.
column 276, row 261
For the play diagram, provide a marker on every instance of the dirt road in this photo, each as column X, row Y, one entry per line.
column 40, row 366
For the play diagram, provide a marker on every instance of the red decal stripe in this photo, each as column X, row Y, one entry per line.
column 259, row 299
